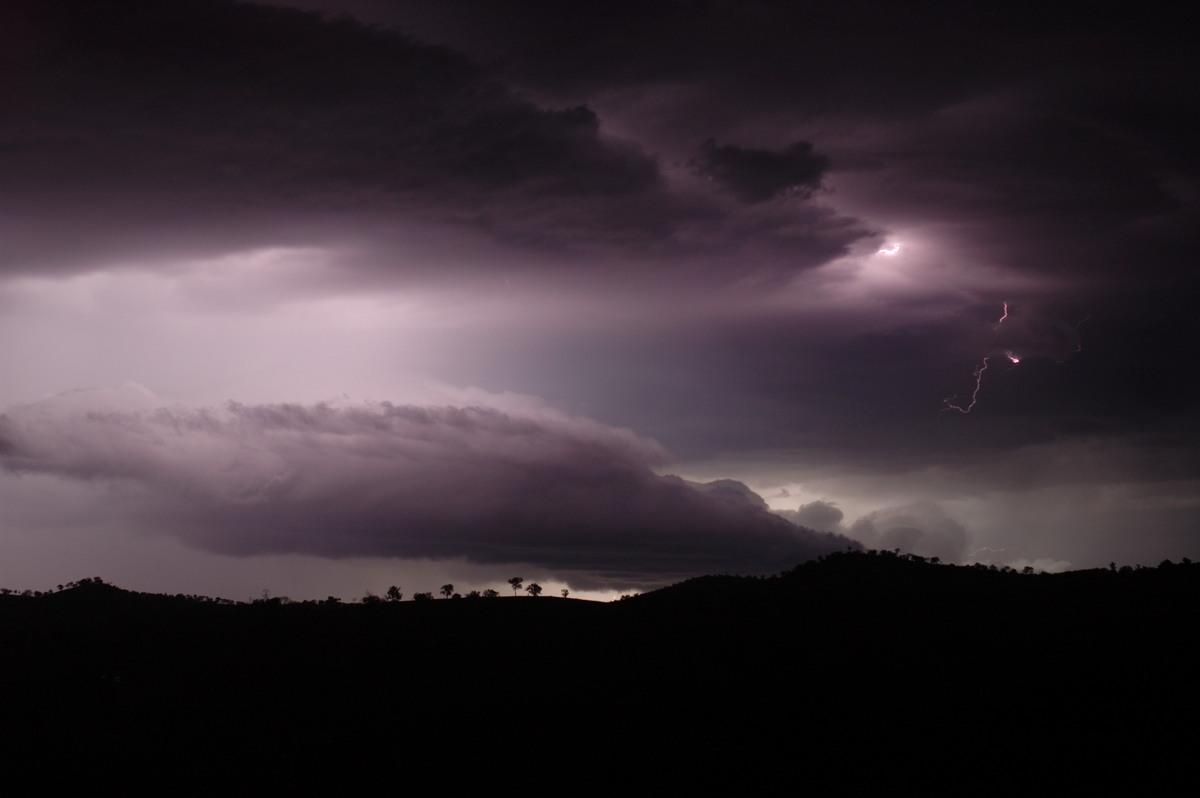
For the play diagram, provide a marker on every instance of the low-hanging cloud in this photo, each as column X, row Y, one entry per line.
column 820, row 514
column 565, row 493
column 922, row 528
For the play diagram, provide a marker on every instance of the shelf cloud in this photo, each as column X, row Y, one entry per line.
column 567, row 494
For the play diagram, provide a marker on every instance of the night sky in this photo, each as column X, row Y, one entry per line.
column 319, row 297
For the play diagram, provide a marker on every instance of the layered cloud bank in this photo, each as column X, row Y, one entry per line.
column 563, row 493
column 198, row 127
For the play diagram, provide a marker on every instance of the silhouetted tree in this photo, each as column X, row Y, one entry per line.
column 393, row 594
column 489, row 593
column 565, row 592
column 422, row 596
column 516, row 584
column 447, row 590
column 534, row 589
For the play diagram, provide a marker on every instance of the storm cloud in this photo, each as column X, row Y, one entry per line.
column 758, row 175
column 567, row 494
column 201, row 127
column 783, row 240
column 923, row 529
column 140, row 123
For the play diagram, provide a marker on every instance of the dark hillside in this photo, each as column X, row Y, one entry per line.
column 840, row 672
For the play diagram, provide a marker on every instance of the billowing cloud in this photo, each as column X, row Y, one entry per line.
column 205, row 123
column 820, row 514
column 206, row 126
column 560, row 492
column 922, row 528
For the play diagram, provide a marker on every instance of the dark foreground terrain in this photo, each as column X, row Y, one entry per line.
column 859, row 671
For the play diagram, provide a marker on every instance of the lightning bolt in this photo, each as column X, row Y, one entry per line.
column 949, row 400
column 978, row 374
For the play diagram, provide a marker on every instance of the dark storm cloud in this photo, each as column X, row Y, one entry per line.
column 1081, row 198
column 212, row 123
column 1048, row 143
column 1038, row 157
column 730, row 490
column 155, row 129
column 831, row 389
column 756, row 175
column 891, row 57
column 566, row 494
column 1055, row 139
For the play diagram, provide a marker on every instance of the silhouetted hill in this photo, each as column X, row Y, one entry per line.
column 855, row 672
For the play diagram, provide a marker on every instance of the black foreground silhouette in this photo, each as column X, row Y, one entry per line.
column 872, row 670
